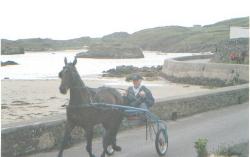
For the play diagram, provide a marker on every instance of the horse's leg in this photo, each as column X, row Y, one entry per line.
column 114, row 132
column 68, row 128
column 89, row 134
column 114, row 145
column 106, row 141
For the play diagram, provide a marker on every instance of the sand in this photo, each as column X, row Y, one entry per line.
column 24, row 100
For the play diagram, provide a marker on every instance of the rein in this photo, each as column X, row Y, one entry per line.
column 82, row 85
column 90, row 97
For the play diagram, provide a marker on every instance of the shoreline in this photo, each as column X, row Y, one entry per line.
column 23, row 100
column 35, row 61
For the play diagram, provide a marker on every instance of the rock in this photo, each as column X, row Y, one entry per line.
column 46, row 141
column 126, row 71
column 116, row 51
column 8, row 63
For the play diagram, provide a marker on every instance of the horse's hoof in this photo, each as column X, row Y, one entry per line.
column 117, row 148
column 59, row 155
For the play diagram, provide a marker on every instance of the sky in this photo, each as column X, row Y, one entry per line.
column 67, row 19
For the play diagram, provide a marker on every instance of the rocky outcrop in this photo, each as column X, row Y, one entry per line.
column 126, row 71
column 11, row 47
column 8, row 63
column 115, row 51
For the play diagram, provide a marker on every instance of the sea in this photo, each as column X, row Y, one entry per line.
column 46, row 65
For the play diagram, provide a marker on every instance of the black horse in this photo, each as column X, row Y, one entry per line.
column 81, row 113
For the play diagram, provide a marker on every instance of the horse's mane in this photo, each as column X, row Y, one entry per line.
column 82, row 84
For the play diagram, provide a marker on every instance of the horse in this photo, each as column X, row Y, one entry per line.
column 80, row 111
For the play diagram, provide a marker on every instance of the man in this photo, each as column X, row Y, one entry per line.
column 138, row 95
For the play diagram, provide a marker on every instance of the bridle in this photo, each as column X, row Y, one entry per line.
column 75, row 86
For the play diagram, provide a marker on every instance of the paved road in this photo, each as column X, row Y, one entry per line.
column 225, row 126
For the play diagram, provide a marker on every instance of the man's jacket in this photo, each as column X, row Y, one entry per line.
column 136, row 100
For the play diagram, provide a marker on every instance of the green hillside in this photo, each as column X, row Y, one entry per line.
column 166, row 39
column 38, row 44
column 186, row 39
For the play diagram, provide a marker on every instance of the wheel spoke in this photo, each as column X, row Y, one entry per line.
column 161, row 142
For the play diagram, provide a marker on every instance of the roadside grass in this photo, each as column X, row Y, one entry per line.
column 238, row 150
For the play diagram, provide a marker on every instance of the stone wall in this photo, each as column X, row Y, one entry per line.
column 45, row 134
column 193, row 57
column 212, row 74
column 200, row 102
column 19, row 139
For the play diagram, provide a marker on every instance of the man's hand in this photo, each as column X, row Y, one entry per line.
column 142, row 94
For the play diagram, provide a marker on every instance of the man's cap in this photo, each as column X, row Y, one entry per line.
column 134, row 77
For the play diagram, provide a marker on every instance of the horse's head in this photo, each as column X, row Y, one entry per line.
column 67, row 76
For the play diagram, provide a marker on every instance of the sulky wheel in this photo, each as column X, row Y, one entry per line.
column 161, row 142
column 109, row 151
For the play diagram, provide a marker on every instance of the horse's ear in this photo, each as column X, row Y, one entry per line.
column 65, row 61
column 75, row 61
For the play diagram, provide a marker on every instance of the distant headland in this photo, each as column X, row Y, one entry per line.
column 172, row 39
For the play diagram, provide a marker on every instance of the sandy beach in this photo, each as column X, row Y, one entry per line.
column 24, row 100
